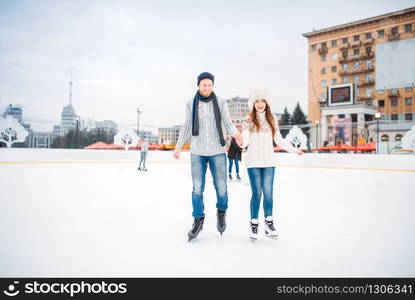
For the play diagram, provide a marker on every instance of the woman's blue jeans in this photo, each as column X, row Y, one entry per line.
column 262, row 182
column 217, row 166
column 231, row 160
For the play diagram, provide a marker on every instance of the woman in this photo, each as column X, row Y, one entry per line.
column 234, row 155
column 260, row 129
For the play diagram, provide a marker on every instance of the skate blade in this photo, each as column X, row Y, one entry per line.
column 254, row 239
column 272, row 237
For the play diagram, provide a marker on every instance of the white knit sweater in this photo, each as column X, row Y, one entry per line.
column 260, row 153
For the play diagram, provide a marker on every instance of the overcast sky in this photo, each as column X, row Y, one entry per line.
column 147, row 54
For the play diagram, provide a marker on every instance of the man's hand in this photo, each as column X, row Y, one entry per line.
column 176, row 153
column 238, row 138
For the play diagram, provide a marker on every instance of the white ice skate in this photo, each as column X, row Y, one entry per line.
column 254, row 230
column 269, row 228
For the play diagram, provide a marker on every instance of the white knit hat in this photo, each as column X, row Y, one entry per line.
column 258, row 95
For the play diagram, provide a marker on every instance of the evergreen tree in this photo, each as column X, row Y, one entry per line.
column 285, row 120
column 298, row 118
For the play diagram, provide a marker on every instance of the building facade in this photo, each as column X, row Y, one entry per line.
column 346, row 54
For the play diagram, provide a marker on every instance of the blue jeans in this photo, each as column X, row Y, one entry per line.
column 236, row 165
column 262, row 181
column 143, row 159
column 217, row 165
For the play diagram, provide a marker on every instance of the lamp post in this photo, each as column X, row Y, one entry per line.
column 317, row 122
column 138, row 122
column 377, row 117
column 76, row 132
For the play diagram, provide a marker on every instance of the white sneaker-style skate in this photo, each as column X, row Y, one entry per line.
column 254, row 230
column 269, row 228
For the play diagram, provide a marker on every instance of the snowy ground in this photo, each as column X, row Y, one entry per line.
column 90, row 213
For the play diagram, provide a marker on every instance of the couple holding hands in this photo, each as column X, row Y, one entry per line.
column 206, row 124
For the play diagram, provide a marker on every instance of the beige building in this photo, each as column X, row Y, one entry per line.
column 346, row 54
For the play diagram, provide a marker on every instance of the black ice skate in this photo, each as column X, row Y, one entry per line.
column 237, row 177
column 270, row 229
column 221, row 221
column 197, row 227
column 230, row 177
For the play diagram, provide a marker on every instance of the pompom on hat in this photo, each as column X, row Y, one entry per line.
column 258, row 94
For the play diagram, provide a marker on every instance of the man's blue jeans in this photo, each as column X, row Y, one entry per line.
column 262, row 181
column 217, row 165
column 231, row 160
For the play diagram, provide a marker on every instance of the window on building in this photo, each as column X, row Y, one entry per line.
column 313, row 47
column 323, row 58
column 357, row 91
column 381, row 91
column 334, row 81
column 368, row 35
column 334, row 69
column 408, row 89
column 381, row 103
column 356, row 38
column 381, row 33
column 394, row 91
column 398, row 137
column 323, row 83
column 408, row 28
column 356, row 52
column 324, row 45
column 323, row 71
column 334, row 56
column 408, row 100
column 356, row 78
column 394, row 102
column 409, row 117
column 369, row 92
column 334, row 43
column 368, row 50
column 346, row 79
column 394, row 117
column 357, row 65
column 345, row 67
column 345, row 53
column 394, row 30
column 345, row 40
column 385, row 138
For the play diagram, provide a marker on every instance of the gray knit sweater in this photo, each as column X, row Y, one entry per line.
column 207, row 142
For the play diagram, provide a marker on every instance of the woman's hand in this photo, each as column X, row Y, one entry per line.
column 299, row 152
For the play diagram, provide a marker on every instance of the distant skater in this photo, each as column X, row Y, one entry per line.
column 143, row 152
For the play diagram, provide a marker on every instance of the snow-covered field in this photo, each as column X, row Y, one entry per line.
column 90, row 213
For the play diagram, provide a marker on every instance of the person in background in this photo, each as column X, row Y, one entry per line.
column 234, row 156
column 143, row 152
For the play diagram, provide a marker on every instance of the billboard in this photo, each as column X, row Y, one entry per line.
column 395, row 64
column 341, row 94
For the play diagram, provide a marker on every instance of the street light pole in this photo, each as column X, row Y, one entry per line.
column 138, row 121
column 76, row 133
column 317, row 122
column 377, row 117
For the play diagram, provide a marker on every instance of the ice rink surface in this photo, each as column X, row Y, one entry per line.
column 90, row 213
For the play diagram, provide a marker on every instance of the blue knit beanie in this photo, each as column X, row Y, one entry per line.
column 205, row 75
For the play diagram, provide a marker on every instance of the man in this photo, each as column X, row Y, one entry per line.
column 144, row 151
column 207, row 121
